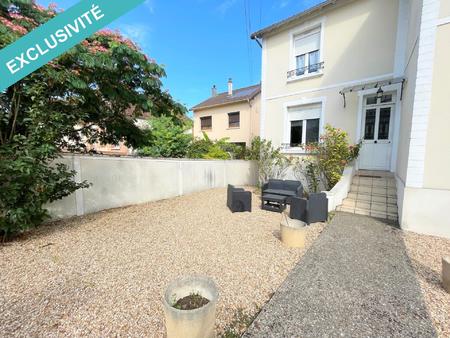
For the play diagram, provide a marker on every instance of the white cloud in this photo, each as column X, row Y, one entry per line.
column 139, row 33
column 150, row 4
column 225, row 6
column 284, row 3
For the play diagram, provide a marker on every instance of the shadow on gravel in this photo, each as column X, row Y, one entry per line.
column 355, row 281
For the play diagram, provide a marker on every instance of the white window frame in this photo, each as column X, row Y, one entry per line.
column 286, row 148
column 318, row 24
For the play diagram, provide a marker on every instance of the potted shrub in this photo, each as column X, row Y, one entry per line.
column 190, row 307
column 293, row 232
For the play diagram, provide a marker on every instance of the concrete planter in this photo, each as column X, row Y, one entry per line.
column 197, row 323
column 293, row 232
column 446, row 273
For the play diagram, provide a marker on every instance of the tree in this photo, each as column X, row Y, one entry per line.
column 166, row 138
column 92, row 93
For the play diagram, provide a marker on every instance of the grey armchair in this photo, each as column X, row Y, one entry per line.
column 239, row 200
column 311, row 210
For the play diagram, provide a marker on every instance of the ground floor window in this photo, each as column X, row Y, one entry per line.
column 304, row 125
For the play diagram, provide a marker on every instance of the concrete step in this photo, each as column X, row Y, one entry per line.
column 353, row 198
column 374, row 191
column 369, row 212
column 375, row 182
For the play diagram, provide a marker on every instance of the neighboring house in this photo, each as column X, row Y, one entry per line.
column 233, row 114
column 120, row 149
column 379, row 69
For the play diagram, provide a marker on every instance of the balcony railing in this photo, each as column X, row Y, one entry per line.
column 311, row 69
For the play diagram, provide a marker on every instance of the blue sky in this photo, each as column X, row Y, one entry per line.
column 202, row 42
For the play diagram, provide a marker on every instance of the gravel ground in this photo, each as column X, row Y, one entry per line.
column 426, row 253
column 105, row 274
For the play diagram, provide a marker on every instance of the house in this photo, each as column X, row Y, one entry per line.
column 120, row 149
column 379, row 70
column 233, row 114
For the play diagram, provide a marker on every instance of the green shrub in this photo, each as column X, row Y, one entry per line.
column 331, row 155
column 27, row 182
column 271, row 162
column 166, row 138
column 207, row 149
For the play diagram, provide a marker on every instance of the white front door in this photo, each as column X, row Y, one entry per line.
column 377, row 133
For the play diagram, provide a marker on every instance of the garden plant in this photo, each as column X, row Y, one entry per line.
column 92, row 93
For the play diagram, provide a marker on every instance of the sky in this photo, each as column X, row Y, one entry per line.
column 202, row 42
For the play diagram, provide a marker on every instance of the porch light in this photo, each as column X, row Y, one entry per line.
column 380, row 93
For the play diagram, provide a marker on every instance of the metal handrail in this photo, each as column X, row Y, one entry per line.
column 302, row 71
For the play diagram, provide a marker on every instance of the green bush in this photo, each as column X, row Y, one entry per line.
column 271, row 162
column 28, row 181
column 166, row 138
column 331, row 155
column 207, row 149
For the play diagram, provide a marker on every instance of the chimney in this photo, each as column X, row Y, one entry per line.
column 230, row 87
column 213, row 91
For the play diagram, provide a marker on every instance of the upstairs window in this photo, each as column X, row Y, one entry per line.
column 234, row 120
column 307, row 53
column 206, row 122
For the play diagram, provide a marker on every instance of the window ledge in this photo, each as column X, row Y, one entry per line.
column 304, row 77
column 232, row 128
column 294, row 151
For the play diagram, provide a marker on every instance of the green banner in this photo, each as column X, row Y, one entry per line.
column 52, row 39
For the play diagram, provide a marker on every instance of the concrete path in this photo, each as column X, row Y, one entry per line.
column 355, row 281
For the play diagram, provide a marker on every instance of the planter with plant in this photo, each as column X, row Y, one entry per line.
column 293, row 232
column 190, row 307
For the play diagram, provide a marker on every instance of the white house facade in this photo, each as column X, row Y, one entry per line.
column 377, row 69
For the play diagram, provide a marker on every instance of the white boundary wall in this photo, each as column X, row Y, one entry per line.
column 340, row 190
column 122, row 181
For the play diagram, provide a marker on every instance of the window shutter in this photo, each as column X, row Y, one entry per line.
column 307, row 43
column 306, row 112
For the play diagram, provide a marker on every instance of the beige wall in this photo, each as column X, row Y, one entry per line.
column 249, row 121
column 118, row 182
column 437, row 156
column 359, row 42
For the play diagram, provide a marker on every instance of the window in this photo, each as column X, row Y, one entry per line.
column 383, row 125
column 369, row 131
column 304, row 125
column 386, row 98
column 296, row 133
column 206, row 122
column 233, row 120
column 307, row 52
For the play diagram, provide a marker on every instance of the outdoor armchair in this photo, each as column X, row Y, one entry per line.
column 239, row 200
column 311, row 210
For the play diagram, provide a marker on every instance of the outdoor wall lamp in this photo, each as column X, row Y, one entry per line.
column 380, row 93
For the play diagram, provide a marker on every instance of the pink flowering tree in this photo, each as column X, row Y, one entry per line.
column 92, row 93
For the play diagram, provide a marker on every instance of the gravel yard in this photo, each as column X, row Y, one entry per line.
column 426, row 253
column 105, row 274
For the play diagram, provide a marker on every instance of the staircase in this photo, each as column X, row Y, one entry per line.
column 373, row 193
